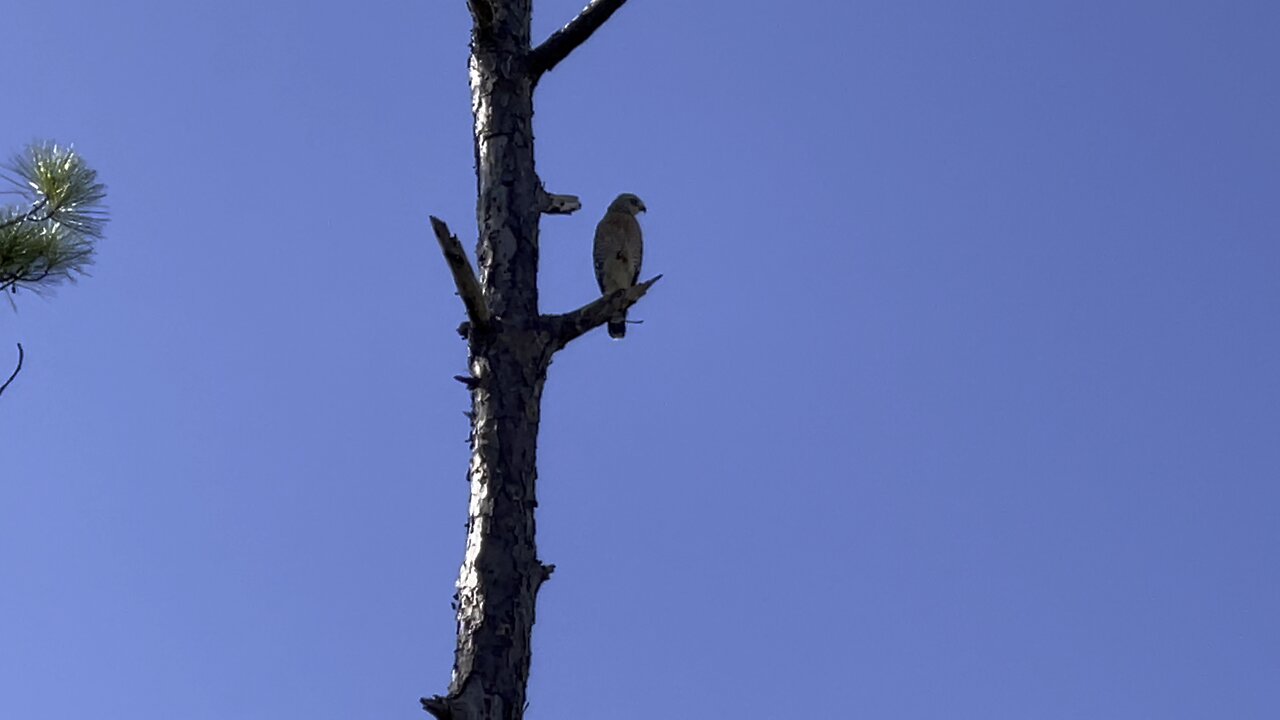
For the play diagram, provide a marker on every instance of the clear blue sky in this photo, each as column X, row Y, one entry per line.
column 960, row 398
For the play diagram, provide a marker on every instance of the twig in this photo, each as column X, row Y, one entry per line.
column 16, row 370
column 566, row 39
column 30, row 215
column 463, row 276
column 570, row 326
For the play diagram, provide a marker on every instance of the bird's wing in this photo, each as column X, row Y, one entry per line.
column 635, row 244
column 617, row 237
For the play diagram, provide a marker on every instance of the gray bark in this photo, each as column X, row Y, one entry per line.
column 510, row 346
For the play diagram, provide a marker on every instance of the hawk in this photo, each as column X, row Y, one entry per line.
column 618, row 249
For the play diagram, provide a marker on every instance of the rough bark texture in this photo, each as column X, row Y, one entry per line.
column 510, row 345
column 501, row 572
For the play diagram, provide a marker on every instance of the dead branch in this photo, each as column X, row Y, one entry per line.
column 550, row 204
column 565, row 40
column 464, row 277
column 570, row 326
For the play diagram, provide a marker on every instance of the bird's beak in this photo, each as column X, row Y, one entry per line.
column 643, row 208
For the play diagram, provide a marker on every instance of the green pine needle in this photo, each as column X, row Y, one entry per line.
column 51, row 237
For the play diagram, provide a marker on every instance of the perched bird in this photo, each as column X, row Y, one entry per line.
column 617, row 253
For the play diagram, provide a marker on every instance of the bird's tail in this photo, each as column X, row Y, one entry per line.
column 618, row 326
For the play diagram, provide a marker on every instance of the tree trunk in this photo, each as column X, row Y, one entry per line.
column 501, row 572
column 510, row 345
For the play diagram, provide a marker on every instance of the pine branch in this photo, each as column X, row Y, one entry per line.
column 53, row 239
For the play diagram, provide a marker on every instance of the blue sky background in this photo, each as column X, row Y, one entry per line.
column 960, row 398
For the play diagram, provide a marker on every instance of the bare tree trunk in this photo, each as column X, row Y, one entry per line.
column 510, row 345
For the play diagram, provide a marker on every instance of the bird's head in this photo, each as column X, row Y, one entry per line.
column 628, row 203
